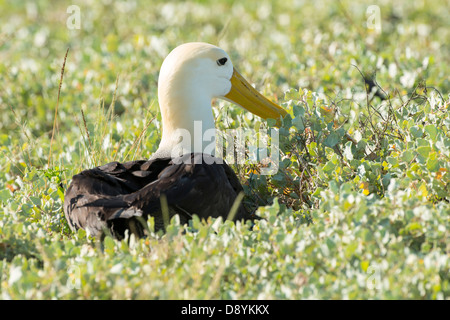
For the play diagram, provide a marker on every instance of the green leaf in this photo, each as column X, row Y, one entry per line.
column 407, row 155
column 109, row 244
column 422, row 142
column 329, row 167
column 386, row 180
column 271, row 122
column 292, row 94
column 331, row 140
column 5, row 194
column 392, row 160
column 312, row 148
column 330, row 243
column 414, row 226
column 433, row 163
column 365, row 265
column 424, row 151
column 298, row 123
column 432, row 131
column 416, row 132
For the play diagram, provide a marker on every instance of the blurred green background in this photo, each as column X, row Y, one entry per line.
column 380, row 209
column 277, row 45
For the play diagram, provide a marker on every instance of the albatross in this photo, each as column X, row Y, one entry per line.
column 117, row 196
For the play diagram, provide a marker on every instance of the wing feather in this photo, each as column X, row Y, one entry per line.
column 101, row 197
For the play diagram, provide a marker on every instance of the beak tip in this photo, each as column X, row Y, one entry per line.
column 243, row 94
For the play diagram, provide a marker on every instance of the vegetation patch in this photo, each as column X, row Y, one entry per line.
column 359, row 208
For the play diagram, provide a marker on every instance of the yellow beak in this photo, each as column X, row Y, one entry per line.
column 244, row 95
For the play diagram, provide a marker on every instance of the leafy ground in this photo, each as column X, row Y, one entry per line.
column 359, row 208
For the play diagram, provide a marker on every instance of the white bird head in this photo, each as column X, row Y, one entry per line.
column 190, row 77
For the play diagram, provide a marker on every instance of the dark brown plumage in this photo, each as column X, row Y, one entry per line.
column 114, row 196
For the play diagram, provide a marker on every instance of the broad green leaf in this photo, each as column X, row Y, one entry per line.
column 416, row 132
column 433, row 165
column 5, row 194
column 432, row 131
column 298, row 123
column 331, row 140
column 407, row 155
column 392, row 160
column 424, row 151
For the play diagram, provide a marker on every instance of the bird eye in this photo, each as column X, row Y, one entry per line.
column 221, row 61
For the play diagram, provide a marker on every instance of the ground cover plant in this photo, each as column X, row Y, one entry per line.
column 359, row 208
